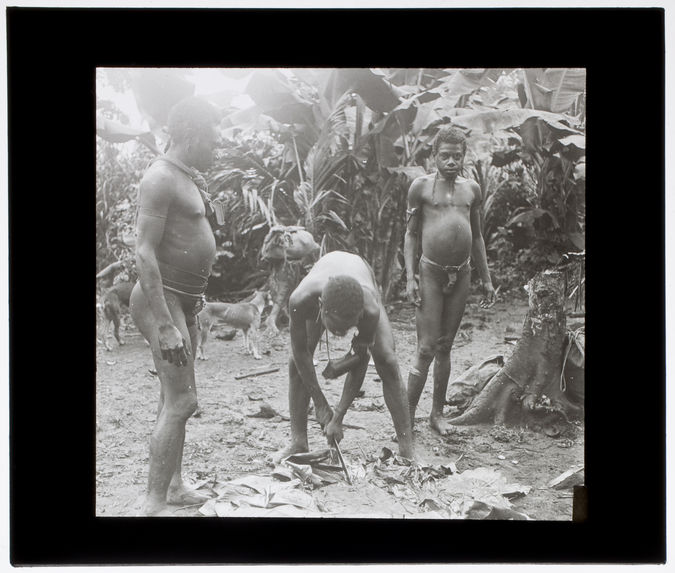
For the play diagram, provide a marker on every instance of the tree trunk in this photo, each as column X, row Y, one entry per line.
column 529, row 387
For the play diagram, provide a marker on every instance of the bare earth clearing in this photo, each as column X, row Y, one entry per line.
column 224, row 442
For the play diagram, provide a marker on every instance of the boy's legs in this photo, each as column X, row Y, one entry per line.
column 453, row 310
column 428, row 323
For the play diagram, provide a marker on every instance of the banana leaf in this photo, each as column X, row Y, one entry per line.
column 157, row 90
column 554, row 89
column 566, row 85
column 115, row 132
column 371, row 85
column 500, row 120
column 276, row 97
column 578, row 141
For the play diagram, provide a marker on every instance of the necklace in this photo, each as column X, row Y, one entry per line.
column 433, row 191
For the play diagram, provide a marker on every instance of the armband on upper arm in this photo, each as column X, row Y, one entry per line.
column 413, row 219
column 150, row 213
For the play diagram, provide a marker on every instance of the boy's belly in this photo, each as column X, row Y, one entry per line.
column 447, row 240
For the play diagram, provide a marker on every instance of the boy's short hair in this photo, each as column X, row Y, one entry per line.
column 191, row 117
column 343, row 296
column 449, row 134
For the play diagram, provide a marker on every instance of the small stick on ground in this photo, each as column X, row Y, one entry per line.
column 257, row 373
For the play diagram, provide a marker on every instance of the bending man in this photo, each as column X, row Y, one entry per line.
column 340, row 293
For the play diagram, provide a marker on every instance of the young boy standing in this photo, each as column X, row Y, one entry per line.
column 444, row 210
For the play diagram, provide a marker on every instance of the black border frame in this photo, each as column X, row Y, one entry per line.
column 52, row 55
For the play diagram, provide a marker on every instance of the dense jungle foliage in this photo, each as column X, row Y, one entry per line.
column 335, row 150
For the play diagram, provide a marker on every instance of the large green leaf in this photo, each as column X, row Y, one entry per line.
column 567, row 84
column 554, row 89
column 465, row 81
column 157, row 90
column 371, row 85
column 498, row 120
column 278, row 98
column 576, row 140
column 411, row 172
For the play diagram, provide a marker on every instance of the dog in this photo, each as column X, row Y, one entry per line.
column 291, row 251
column 114, row 299
column 244, row 316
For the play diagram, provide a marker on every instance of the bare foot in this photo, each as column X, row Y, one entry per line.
column 288, row 451
column 181, row 495
column 442, row 427
column 153, row 509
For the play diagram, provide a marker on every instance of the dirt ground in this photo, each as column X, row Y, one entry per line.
column 225, row 442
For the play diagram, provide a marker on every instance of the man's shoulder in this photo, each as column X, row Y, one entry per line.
column 419, row 184
column 308, row 290
column 158, row 175
column 467, row 181
column 469, row 184
column 422, row 179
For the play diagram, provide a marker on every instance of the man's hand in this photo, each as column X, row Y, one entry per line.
column 172, row 345
column 490, row 295
column 412, row 291
column 333, row 431
column 324, row 414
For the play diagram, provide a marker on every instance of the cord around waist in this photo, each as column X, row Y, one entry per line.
column 181, row 281
column 446, row 268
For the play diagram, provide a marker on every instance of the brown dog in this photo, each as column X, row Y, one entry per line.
column 114, row 299
column 242, row 315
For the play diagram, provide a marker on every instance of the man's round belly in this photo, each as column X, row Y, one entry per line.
column 448, row 243
column 194, row 252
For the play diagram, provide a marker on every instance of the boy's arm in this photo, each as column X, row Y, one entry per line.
column 478, row 253
column 413, row 227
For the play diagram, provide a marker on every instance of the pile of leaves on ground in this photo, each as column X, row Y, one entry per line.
column 424, row 491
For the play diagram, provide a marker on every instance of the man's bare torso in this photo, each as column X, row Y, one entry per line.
column 188, row 242
column 446, row 224
column 334, row 264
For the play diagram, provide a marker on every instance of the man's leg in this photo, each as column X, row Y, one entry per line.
column 453, row 311
column 298, row 399
column 178, row 493
column 393, row 389
column 428, row 322
column 178, row 401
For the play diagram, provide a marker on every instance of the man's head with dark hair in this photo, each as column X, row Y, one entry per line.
column 449, row 134
column 191, row 117
column 341, row 304
column 192, row 126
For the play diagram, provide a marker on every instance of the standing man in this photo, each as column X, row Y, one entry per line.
column 175, row 249
column 340, row 293
column 445, row 209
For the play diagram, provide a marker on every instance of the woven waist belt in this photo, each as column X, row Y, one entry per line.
column 446, row 268
column 450, row 270
column 183, row 282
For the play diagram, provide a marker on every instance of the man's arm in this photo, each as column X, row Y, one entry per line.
column 154, row 200
column 302, row 357
column 361, row 345
column 413, row 228
column 478, row 253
